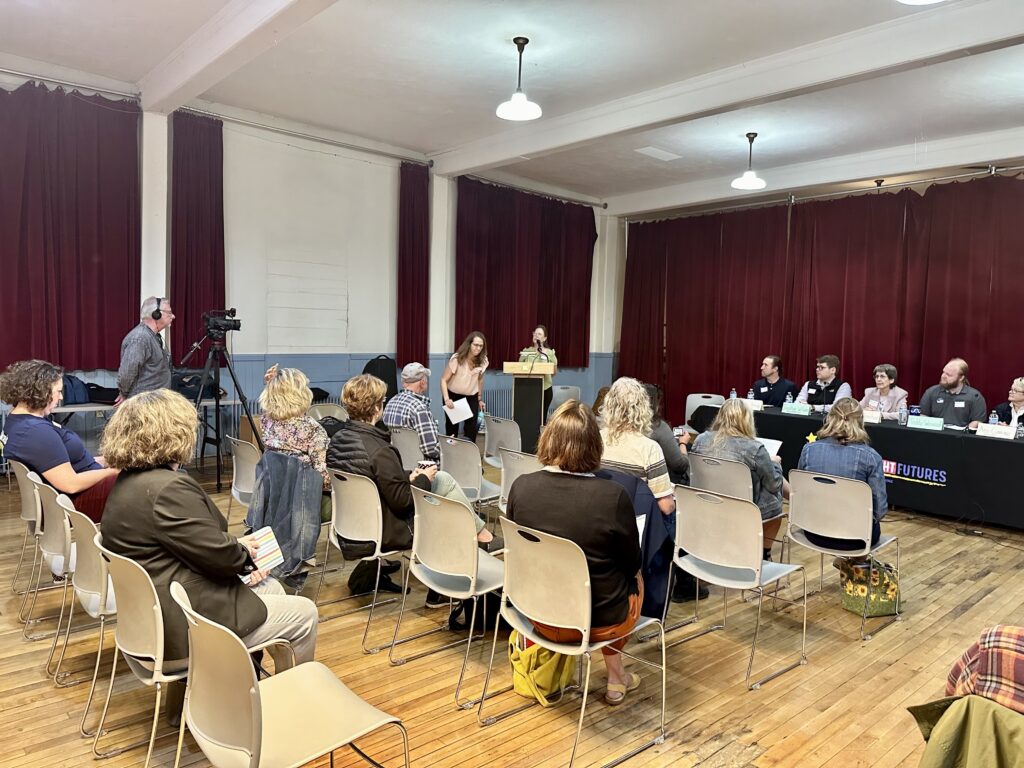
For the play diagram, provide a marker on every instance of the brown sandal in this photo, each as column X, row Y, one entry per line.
column 616, row 692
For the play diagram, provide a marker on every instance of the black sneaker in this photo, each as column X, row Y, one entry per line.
column 434, row 600
column 684, row 593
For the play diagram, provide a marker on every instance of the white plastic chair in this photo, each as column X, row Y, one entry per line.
column 445, row 558
column 407, row 442
column 722, row 538
column 356, row 515
column 840, row 508
column 696, row 400
column 57, row 553
column 29, row 515
column 560, row 394
column 244, row 458
column 461, row 459
column 501, row 433
column 283, row 721
column 323, row 410
column 721, row 476
column 547, row 581
column 514, row 464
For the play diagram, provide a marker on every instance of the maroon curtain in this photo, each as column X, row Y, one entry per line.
column 523, row 260
column 197, row 227
column 70, row 218
column 642, row 344
column 413, row 321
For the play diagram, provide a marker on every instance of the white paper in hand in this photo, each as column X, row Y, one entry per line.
column 772, row 446
column 459, row 411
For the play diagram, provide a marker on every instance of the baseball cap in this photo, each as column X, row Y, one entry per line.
column 414, row 372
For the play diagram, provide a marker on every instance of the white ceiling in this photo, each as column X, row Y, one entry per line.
column 426, row 76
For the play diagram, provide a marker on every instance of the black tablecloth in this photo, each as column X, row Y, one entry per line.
column 950, row 473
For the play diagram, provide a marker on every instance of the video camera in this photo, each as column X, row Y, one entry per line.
column 219, row 321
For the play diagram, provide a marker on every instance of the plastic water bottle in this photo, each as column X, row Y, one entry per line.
column 789, row 397
column 993, row 418
column 732, row 395
column 479, row 421
column 1019, row 434
column 750, row 394
column 903, row 415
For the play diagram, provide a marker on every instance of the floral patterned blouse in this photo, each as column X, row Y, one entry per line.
column 301, row 437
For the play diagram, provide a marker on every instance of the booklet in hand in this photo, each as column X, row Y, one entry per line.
column 268, row 554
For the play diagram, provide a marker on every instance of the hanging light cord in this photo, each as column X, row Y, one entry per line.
column 750, row 151
column 520, row 44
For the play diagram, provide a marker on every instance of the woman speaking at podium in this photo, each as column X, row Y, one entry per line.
column 539, row 352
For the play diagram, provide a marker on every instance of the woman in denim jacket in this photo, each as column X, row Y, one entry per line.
column 842, row 449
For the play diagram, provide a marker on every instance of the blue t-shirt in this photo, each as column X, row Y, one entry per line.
column 41, row 445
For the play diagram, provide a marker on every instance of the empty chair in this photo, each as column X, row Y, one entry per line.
column 244, row 458
column 501, row 433
column 445, row 558
column 722, row 538
column 283, row 721
column 696, row 400
column 57, row 552
column 547, row 581
column 514, row 464
column 29, row 513
column 407, row 442
column 323, row 410
column 461, row 459
column 560, row 394
column 839, row 508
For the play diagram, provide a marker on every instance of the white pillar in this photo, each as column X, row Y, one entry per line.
column 442, row 265
column 607, row 284
column 155, row 206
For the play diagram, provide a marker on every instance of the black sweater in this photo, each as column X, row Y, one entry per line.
column 597, row 515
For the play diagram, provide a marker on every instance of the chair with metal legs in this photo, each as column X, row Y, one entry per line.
column 407, row 443
column 514, row 464
column 461, row 459
column 29, row 514
column 547, row 581
column 501, row 433
column 57, row 553
column 244, row 458
column 445, row 558
column 722, row 537
column 356, row 515
column 283, row 721
column 839, row 508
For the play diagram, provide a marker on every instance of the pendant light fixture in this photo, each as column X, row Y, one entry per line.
column 749, row 180
column 920, row 2
column 519, row 107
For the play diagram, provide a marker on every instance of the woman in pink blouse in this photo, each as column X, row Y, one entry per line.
column 885, row 396
column 464, row 377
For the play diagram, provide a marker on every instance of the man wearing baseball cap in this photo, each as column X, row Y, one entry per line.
column 410, row 408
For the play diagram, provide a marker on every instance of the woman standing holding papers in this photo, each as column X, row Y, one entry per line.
column 885, row 396
column 464, row 377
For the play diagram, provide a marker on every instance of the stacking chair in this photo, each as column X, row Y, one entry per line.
column 29, row 514
column 461, row 459
column 407, row 441
column 722, row 538
column 547, row 581
column 501, row 433
column 514, row 464
column 57, row 552
column 840, row 508
column 445, row 558
column 356, row 515
column 283, row 721
column 323, row 410
column 695, row 401
column 244, row 458
column 560, row 394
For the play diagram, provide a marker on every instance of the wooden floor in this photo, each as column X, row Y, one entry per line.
column 846, row 708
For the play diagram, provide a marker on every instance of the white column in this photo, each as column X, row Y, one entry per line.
column 442, row 264
column 607, row 284
column 155, row 205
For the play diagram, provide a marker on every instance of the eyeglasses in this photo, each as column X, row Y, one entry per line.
column 820, row 367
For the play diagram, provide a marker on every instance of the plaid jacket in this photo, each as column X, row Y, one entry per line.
column 412, row 410
column 993, row 667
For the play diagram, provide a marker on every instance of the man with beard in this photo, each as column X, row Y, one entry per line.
column 953, row 398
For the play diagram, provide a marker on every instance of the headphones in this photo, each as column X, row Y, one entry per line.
column 156, row 314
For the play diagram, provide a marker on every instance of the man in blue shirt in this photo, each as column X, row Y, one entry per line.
column 771, row 388
column 410, row 408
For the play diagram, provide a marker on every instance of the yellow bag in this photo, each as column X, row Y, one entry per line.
column 538, row 672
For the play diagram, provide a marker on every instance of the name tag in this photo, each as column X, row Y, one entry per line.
column 812, row 391
column 754, row 405
column 959, row 404
column 802, row 409
column 764, row 389
column 872, row 417
column 997, row 430
column 925, row 422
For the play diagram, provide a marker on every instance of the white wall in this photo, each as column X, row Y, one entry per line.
column 310, row 235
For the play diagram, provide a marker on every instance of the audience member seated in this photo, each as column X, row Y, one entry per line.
column 885, row 396
column 673, row 448
column 567, row 500
column 602, row 393
column 771, row 389
column 733, row 436
column 287, row 429
column 34, row 388
column 1011, row 411
column 363, row 447
column 842, row 449
column 162, row 519
column 410, row 408
column 953, row 398
column 827, row 387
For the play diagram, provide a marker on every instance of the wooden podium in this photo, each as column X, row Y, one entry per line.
column 528, row 399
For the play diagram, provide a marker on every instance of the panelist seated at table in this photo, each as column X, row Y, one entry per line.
column 771, row 388
column 953, row 399
column 885, row 396
column 827, row 387
column 842, row 449
column 58, row 455
column 1012, row 411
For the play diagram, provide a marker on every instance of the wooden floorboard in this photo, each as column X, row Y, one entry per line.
column 845, row 709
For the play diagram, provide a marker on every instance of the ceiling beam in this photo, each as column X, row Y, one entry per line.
column 237, row 34
column 959, row 151
column 909, row 42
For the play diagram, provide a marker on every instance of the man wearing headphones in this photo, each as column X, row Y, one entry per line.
column 145, row 364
